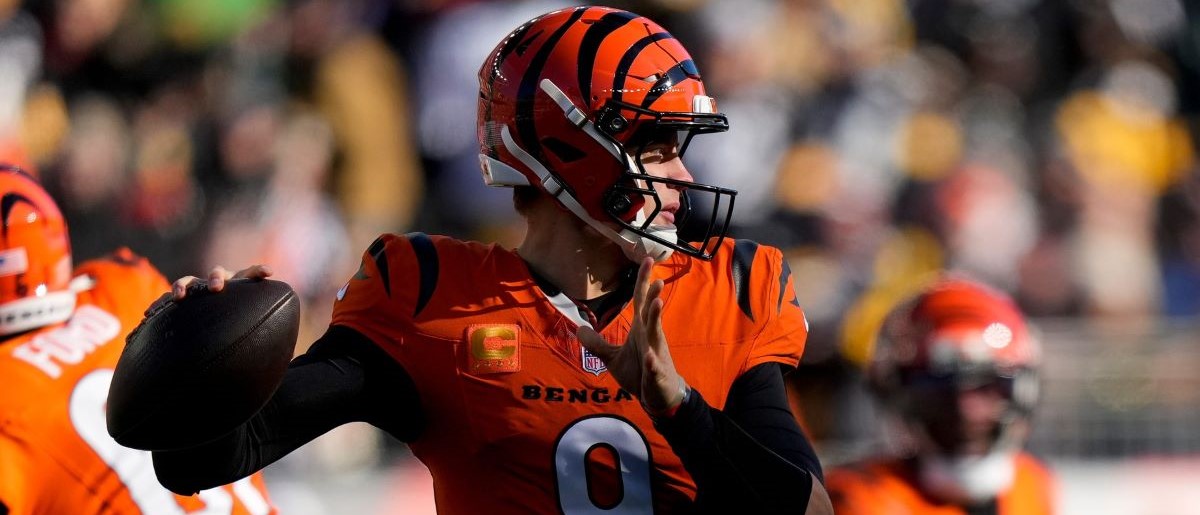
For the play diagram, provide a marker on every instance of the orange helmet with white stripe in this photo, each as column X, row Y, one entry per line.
column 955, row 325
column 35, row 256
column 567, row 103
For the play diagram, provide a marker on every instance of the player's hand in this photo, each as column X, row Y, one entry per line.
column 643, row 366
column 216, row 279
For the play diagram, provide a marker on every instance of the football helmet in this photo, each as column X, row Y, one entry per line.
column 569, row 101
column 959, row 365
column 35, row 256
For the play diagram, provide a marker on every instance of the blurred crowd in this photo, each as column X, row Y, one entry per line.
column 1045, row 146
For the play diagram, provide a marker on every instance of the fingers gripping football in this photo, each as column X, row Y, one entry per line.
column 216, row 279
column 643, row 365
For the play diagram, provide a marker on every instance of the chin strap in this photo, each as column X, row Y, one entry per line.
column 496, row 173
column 971, row 478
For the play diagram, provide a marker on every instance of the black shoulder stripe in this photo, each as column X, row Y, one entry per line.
column 682, row 71
column 743, row 258
column 784, row 274
column 379, row 254
column 427, row 264
column 526, row 130
column 627, row 60
column 590, row 45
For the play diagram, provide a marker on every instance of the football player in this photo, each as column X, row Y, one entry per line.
column 61, row 333
column 603, row 366
column 958, row 365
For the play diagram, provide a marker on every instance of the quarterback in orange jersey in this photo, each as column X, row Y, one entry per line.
column 603, row 366
column 61, row 333
column 959, row 366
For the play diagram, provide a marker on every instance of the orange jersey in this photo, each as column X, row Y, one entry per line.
column 889, row 487
column 519, row 418
column 56, row 456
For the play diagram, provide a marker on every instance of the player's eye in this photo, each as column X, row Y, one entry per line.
column 660, row 151
column 653, row 154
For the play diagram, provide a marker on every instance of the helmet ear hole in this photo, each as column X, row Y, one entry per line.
column 611, row 122
column 618, row 202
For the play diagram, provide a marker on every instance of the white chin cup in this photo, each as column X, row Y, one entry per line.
column 637, row 247
column 33, row 312
column 971, row 479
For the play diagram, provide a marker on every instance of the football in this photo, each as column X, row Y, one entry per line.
column 196, row 368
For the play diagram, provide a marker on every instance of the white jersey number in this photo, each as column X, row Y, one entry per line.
column 136, row 468
column 633, row 457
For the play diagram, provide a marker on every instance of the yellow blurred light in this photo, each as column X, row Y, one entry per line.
column 931, row 145
column 873, row 31
column 1122, row 145
column 44, row 124
column 909, row 259
column 807, row 177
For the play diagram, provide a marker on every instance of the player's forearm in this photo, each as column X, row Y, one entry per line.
column 336, row 382
column 289, row 420
column 753, row 454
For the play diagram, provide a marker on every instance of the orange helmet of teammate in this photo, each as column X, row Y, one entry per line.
column 35, row 256
column 959, row 365
column 569, row 101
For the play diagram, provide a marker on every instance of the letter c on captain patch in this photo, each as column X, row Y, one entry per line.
column 494, row 348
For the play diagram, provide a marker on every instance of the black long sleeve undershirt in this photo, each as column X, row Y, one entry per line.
column 751, row 456
column 343, row 378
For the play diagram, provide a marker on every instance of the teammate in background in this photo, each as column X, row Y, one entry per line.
column 603, row 366
column 61, row 333
column 959, row 366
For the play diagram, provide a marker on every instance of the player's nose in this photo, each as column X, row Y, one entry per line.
column 675, row 169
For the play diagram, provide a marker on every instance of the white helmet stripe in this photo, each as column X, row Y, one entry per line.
column 576, row 116
column 631, row 243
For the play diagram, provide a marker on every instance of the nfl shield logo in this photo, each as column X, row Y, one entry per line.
column 593, row 364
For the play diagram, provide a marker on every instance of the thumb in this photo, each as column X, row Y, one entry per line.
column 594, row 343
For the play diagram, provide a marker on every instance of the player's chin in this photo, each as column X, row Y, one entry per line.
column 964, row 446
column 664, row 231
column 974, row 450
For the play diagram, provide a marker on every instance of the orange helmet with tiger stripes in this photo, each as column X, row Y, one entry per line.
column 35, row 256
column 568, row 101
column 956, row 323
column 956, row 334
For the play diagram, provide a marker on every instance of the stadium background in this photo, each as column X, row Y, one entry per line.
column 1047, row 146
